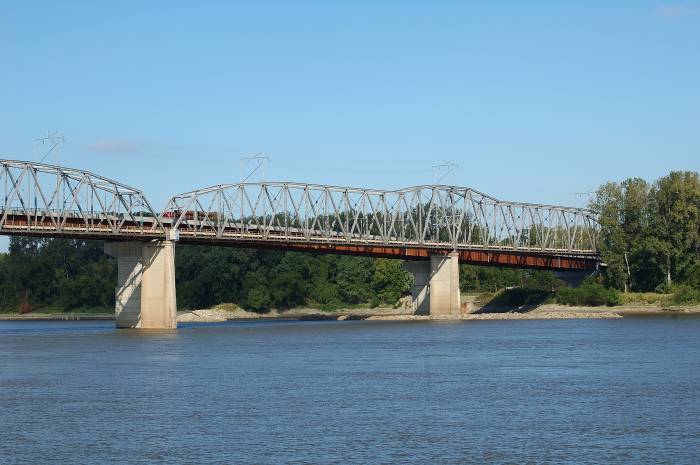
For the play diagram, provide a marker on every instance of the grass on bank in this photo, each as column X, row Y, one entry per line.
column 644, row 298
column 337, row 306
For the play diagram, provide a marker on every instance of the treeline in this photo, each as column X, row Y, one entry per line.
column 56, row 274
column 649, row 241
column 650, row 233
column 260, row 280
column 63, row 274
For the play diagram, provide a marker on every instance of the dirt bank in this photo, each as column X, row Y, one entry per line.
column 550, row 311
column 55, row 316
column 231, row 312
column 227, row 312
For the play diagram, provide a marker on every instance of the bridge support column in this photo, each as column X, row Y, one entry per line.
column 444, row 285
column 421, row 285
column 436, row 286
column 145, row 293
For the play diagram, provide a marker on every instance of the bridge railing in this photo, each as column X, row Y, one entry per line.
column 39, row 198
column 425, row 216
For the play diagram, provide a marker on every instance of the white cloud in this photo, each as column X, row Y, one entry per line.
column 676, row 10
column 115, row 147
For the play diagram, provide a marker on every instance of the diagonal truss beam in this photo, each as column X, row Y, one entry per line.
column 445, row 217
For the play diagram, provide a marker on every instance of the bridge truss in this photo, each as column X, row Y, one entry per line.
column 416, row 221
column 40, row 199
column 412, row 223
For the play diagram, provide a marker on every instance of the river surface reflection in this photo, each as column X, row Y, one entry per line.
column 548, row 391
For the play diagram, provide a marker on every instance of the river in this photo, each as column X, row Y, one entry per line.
column 256, row 392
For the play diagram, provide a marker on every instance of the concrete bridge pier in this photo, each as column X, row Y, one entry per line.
column 436, row 286
column 145, row 293
column 421, row 285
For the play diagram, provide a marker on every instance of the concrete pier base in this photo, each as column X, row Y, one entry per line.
column 444, row 285
column 436, row 286
column 145, row 293
column 421, row 286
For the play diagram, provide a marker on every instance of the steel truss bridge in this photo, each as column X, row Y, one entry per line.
column 413, row 223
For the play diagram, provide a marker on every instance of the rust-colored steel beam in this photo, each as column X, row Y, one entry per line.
column 473, row 257
column 528, row 260
column 74, row 227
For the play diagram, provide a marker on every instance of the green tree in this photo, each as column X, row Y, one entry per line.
column 288, row 289
column 256, row 293
column 675, row 210
column 258, row 298
column 389, row 280
column 623, row 216
column 354, row 279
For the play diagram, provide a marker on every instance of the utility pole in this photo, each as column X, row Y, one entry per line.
column 443, row 219
column 259, row 159
column 52, row 139
column 587, row 195
column 444, row 170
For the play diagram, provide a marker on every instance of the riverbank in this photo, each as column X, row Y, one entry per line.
column 549, row 311
column 228, row 312
column 68, row 316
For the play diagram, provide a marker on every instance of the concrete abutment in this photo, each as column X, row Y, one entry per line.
column 145, row 293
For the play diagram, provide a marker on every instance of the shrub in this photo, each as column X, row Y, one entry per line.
column 590, row 294
column 259, row 298
column 684, row 295
column 614, row 298
column 643, row 298
column 331, row 307
column 25, row 307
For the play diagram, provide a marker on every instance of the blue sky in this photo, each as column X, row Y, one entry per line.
column 536, row 101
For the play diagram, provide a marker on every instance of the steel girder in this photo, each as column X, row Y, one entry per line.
column 41, row 199
column 440, row 217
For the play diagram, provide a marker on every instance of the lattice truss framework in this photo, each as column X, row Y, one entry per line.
column 423, row 216
column 53, row 200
